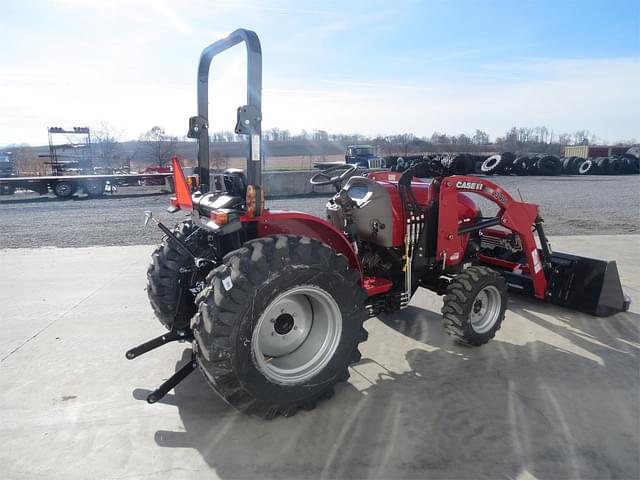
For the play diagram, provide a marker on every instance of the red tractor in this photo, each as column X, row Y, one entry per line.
column 274, row 301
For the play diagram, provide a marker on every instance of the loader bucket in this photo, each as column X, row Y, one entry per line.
column 586, row 284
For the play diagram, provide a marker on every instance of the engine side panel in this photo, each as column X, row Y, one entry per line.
column 380, row 203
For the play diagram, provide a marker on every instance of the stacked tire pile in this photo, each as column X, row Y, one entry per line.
column 461, row 164
column 508, row 164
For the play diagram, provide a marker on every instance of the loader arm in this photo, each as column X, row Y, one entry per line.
column 519, row 217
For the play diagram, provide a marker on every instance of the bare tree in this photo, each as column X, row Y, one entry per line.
column 106, row 139
column 26, row 160
column 218, row 161
column 480, row 138
column 463, row 139
column 160, row 146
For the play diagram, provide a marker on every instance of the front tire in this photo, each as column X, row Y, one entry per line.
column 475, row 305
column 278, row 325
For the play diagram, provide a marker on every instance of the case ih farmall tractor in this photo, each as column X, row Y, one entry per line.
column 274, row 301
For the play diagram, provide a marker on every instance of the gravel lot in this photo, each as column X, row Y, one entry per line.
column 569, row 205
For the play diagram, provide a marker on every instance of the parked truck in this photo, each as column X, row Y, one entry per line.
column 7, row 169
column 364, row 156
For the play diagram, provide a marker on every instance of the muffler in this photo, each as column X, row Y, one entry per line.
column 586, row 284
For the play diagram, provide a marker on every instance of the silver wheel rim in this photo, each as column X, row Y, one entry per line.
column 297, row 335
column 485, row 309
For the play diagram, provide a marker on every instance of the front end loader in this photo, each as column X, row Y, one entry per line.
column 273, row 302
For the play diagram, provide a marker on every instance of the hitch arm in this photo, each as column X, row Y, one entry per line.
column 172, row 336
column 172, row 381
column 170, row 235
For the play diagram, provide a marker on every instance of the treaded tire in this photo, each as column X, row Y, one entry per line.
column 94, row 188
column 459, row 303
column 549, row 165
column 615, row 166
column 587, row 168
column 163, row 275
column 532, row 165
column 462, row 164
column 602, row 164
column 631, row 165
column 490, row 165
column 237, row 294
column 520, row 166
column 63, row 189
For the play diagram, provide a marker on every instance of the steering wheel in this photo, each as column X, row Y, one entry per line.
column 324, row 177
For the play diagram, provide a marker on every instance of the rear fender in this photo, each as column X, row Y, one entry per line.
column 298, row 223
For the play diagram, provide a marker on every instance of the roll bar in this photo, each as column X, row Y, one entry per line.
column 249, row 115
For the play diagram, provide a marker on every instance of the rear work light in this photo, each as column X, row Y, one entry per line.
column 254, row 201
column 220, row 217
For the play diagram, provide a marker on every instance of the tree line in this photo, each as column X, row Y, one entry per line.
column 156, row 146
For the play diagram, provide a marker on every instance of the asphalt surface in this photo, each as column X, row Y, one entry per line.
column 570, row 206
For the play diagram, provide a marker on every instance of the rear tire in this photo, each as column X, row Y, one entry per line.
column 63, row 189
column 94, row 188
column 163, row 276
column 475, row 305
column 252, row 350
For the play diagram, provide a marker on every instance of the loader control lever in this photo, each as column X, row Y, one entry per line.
column 431, row 168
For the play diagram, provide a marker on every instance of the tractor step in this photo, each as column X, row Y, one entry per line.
column 376, row 285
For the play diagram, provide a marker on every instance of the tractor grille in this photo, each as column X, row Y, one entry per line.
column 376, row 163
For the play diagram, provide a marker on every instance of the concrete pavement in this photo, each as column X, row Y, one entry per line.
column 555, row 395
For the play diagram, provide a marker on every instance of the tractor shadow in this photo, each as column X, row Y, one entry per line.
column 561, row 405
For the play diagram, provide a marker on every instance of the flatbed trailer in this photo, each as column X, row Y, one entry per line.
column 64, row 186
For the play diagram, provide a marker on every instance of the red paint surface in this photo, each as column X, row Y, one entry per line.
column 298, row 223
column 518, row 217
column 422, row 192
column 498, row 262
column 376, row 285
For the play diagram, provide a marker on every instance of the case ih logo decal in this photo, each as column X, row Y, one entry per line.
column 469, row 185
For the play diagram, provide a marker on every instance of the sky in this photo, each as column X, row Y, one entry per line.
column 370, row 67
